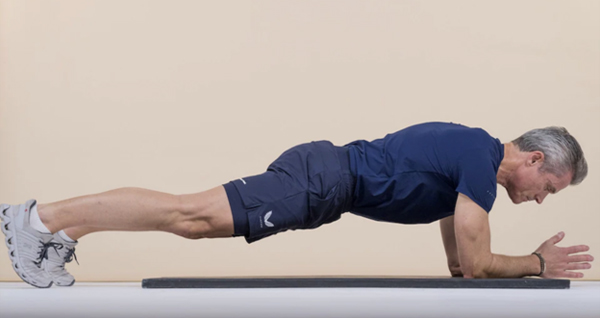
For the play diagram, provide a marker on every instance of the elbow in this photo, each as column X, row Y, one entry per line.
column 479, row 268
column 475, row 273
column 455, row 270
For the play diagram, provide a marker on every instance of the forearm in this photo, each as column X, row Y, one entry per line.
column 503, row 266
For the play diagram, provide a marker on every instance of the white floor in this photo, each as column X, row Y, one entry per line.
column 130, row 300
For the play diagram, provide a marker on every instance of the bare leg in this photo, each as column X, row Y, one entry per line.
column 205, row 214
column 77, row 232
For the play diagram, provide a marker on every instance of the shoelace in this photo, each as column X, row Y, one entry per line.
column 70, row 254
column 43, row 253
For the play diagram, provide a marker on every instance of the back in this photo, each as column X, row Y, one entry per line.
column 414, row 175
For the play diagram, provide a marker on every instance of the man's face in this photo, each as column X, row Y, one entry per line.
column 527, row 183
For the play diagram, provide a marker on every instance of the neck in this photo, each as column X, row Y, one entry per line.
column 508, row 165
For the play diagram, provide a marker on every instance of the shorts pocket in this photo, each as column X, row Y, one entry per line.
column 324, row 209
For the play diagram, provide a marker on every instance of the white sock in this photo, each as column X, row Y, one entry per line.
column 36, row 222
column 65, row 237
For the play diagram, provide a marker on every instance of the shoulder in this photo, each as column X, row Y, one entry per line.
column 448, row 129
column 462, row 132
column 460, row 139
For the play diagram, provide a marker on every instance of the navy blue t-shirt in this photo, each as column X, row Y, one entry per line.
column 414, row 175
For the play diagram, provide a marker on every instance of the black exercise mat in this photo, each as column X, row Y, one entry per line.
column 353, row 282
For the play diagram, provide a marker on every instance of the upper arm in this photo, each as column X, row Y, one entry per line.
column 472, row 231
column 447, row 229
column 476, row 178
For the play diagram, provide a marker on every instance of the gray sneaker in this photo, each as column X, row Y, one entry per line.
column 59, row 253
column 26, row 247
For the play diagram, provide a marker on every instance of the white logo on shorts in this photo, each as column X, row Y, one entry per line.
column 267, row 216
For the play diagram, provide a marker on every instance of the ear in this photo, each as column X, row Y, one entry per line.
column 535, row 157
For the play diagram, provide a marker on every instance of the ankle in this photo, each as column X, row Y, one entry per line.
column 45, row 212
column 65, row 236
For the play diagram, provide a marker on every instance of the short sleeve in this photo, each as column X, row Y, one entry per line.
column 477, row 178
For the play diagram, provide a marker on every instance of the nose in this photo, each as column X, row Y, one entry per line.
column 540, row 197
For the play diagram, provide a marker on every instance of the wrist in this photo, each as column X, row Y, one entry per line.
column 540, row 267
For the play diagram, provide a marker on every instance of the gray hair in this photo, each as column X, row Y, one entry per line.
column 562, row 152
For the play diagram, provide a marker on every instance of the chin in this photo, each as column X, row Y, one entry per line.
column 515, row 200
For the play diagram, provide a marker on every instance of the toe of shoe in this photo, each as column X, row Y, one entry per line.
column 39, row 283
column 62, row 279
column 64, row 282
column 33, row 275
column 40, row 286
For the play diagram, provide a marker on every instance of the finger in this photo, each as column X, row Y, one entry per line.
column 580, row 258
column 571, row 274
column 558, row 237
column 577, row 249
column 574, row 266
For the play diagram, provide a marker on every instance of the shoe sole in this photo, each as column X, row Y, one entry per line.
column 8, row 229
column 71, row 284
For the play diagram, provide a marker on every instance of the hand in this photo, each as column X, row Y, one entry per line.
column 560, row 262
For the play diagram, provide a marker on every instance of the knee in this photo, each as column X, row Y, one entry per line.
column 192, row 230
column 202, row 215
column 189, row 221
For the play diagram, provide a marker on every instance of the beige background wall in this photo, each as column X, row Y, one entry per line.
column 180, row 96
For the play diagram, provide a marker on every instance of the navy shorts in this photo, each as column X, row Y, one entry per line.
column 307, row 186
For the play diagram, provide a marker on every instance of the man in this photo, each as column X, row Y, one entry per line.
column 423, row 173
